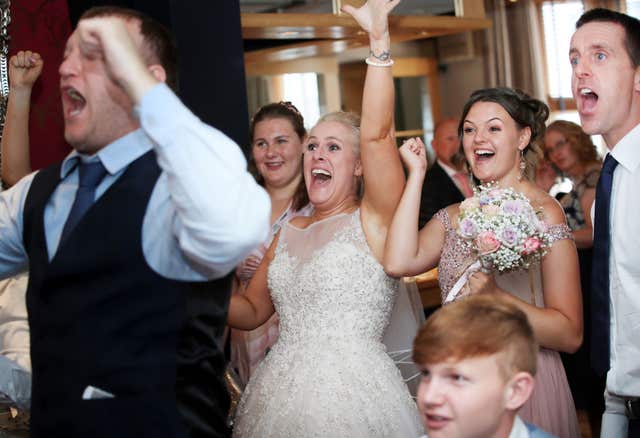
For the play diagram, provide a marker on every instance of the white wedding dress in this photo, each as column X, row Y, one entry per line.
column 329, row 374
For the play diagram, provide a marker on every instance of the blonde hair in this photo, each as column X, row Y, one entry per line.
column 348, row 119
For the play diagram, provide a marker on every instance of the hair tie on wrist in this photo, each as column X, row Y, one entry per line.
column 376, row 63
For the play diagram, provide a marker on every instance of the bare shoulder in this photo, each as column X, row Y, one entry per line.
column 552, row 211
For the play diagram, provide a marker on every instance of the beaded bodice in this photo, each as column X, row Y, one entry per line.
column 327, row 286
column 457, row 255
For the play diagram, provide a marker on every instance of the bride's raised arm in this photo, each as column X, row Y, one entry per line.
column 381, row 167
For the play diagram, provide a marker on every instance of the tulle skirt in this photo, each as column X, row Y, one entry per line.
column 327, row 390
column 551, row 406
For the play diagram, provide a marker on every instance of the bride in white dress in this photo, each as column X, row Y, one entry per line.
column 329, row 374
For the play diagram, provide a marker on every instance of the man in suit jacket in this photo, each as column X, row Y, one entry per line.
column 605, row 58
column 129, row 242
column 445, row 183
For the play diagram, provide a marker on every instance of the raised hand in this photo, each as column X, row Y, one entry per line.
column 24, row 69
column 414, row 155
column 372, row 16
column 117, row 44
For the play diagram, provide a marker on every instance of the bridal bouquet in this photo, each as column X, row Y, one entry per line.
column 504, row 231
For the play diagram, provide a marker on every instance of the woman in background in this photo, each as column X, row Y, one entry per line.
column 277, row 133
column 574, row 154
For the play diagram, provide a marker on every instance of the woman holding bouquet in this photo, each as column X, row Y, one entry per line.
column 499, row 131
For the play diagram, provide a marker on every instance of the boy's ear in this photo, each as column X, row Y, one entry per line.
column 518, row 390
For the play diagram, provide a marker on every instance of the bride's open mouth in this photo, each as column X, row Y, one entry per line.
column 320, row 177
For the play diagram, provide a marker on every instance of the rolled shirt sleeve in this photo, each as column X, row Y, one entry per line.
column 13, row 257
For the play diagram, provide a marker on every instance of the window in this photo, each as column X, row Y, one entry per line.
column 633, row 8
column 302, row 90
column 558, row 20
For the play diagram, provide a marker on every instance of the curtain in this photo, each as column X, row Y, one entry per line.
column 514, row 47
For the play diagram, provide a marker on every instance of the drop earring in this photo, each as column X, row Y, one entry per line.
column 523, row 165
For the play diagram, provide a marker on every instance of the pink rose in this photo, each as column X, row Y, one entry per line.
column 531, row 245
column 487, row 242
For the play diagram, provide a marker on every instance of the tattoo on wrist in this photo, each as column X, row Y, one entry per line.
column 382, row 57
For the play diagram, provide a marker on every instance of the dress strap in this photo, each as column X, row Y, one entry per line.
column 443, row 216
column 559, row 232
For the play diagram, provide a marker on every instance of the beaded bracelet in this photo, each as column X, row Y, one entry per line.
column 374, row 62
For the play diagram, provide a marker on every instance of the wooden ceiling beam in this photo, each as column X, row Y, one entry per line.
column 330, row 26
column 322, row 41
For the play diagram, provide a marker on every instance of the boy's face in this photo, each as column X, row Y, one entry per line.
column 466, row 399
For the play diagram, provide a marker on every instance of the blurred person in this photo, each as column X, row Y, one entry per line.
column 24, row 69
column 128, row 242
column 447, row 182
column 574, row 154
column 546, row 176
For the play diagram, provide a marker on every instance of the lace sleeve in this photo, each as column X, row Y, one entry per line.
column 559, row 232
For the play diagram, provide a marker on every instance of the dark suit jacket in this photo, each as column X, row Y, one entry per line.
column 438, row 191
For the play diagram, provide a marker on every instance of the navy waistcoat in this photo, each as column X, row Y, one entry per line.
column 100, row 316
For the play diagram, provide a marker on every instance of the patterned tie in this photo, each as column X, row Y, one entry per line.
column 90, row 175
column 600, row 270
column 463, row 184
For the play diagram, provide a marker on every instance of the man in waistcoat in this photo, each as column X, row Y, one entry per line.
column 128, row 242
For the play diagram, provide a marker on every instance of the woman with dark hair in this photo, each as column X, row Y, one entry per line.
column 499, row 132
column 278, row 133
column 571, row 150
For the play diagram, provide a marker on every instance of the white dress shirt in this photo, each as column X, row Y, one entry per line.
column 623, row 377
column 206, row 212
